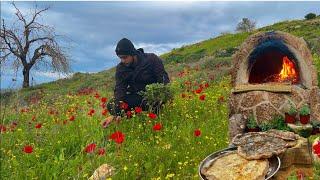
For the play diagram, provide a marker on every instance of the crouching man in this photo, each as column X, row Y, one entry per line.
column 135, row 70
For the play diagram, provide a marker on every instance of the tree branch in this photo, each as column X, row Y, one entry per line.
column 35, row 15
column 19, row 14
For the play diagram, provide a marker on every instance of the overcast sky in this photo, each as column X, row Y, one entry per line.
column 95, row 27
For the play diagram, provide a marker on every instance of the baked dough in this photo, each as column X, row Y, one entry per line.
column 231, row 166
column 262, row 145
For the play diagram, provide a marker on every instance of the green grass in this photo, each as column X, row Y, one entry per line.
column 309, row 30
column 58, row 148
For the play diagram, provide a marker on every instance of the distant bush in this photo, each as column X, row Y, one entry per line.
column 226, row 52
column 246, row 25
column 310, row 16
column 216, row 63
column 193, row 57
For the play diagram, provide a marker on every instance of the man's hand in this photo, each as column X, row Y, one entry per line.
column 114, row 118
column 110, row 118
column 118, row 118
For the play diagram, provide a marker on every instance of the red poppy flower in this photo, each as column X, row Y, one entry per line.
column 51, row 112
column 28, row 149
column 123, row 105
column 138, row 109
column 97, row 95
column 101, row 151
column 129, row 114
column 202, row 97
column 71, row 118
column 104, row 112
column 198, row 91
column 103, row 105
column 91, row 112
column 2, row 128
column 152, row 115
column 221, row 99
column 104, row 99
column 316, row 148
column 183, row 95
column 118, row 137
column 157, row 127
column 197, row 132
column 90, row 148
column 39, row 125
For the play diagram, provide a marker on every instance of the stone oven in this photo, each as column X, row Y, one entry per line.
column 272, row 71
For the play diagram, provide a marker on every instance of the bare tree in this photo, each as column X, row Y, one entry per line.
column 32, row 44
column 246, row 25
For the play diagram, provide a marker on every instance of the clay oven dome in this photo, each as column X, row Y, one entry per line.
column 271, row 71
column 262, row 54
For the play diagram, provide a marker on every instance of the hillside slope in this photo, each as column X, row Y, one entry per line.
column 213, row 55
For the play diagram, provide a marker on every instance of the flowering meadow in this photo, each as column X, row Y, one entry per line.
column 70, row 136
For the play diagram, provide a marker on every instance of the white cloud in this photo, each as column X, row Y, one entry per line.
column 159, row 48
column 53, row 75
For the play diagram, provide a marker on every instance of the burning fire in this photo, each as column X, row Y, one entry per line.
column 288, row 71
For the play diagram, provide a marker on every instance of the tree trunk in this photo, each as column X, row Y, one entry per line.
column 26, row 72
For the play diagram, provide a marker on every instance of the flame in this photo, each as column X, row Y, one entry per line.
column 288, row 71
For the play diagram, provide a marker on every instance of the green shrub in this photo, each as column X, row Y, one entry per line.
column 252, row 123
column 292, row 111
column 213, row 63
column 226, row 52
column 315, row 124
column 265, row 126
column 310, row 16
column 157, row 93
column 276, row 123
column 279, row 123
column 305, row 110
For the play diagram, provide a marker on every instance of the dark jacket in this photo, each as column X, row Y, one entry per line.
column 147, row 70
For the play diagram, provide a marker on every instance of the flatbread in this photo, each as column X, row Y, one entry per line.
column 259, row 145
column 285, row 135
column 232, row 166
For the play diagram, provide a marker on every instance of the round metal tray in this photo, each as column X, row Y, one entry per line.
column 274, row 162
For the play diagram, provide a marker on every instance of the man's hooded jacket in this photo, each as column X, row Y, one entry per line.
column 147, row 70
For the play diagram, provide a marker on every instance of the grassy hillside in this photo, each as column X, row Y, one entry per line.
column 225, row 45
column 209, row 54
column 61, row 134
